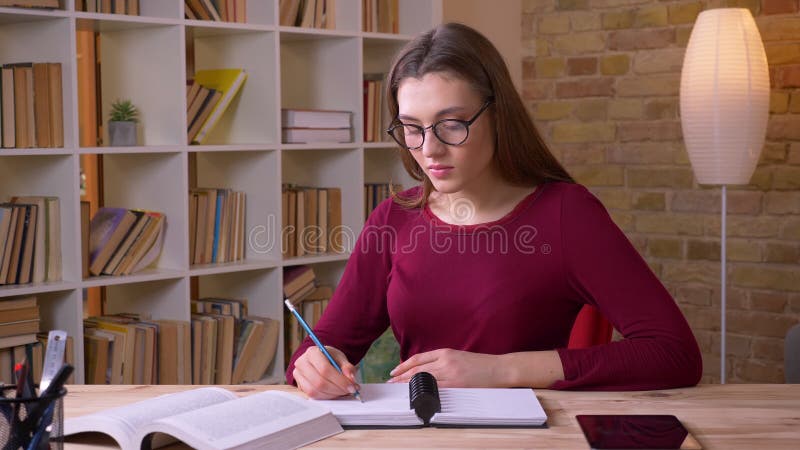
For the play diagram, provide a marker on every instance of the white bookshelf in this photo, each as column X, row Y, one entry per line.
column 143, row 58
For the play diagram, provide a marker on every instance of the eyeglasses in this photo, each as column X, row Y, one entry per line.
column 449, row 131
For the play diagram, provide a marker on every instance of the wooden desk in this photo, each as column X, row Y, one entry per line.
column 733, row 416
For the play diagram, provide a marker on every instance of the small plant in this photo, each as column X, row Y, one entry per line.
column 124, row 111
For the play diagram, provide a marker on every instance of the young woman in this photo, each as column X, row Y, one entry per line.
column 481, row 270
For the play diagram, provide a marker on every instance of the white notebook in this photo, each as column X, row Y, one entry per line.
column 387, row 405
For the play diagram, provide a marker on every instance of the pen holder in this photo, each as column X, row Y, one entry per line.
column 18, row 432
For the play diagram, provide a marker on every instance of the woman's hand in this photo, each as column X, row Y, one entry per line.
column 317, row 377
column 452, row 368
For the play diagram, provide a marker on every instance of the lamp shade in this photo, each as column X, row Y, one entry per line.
column 724, row 96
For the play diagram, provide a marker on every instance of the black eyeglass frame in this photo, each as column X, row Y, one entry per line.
column 424, row 130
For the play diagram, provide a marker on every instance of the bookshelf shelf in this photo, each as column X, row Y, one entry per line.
column 118, row 22
column 316, row 259
column 236, row 266
column 130, row 150
column 144, row 58
column 36, row 288
column 146, row 275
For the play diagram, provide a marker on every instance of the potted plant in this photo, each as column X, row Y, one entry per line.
column 122, row 123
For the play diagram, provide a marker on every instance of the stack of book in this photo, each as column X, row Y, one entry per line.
column 32, row 112
column 300, row 288
column 216, row 225
column 207, row 98
column 30, row 240
column 375, row 193
column 219, row 10
column 315, row 125
column 124, row 349
column 26, row 347
column 19, row 322
column 308, row 13
column 221, row 345
column 44, row 4
column 129, row 7
column 230, row 346
column 380, row 16
column 311, row 220
column 375, row 115
column 123, row 241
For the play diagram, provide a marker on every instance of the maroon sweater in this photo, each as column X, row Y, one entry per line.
column 512, row 285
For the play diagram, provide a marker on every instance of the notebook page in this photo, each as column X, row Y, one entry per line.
column 384, row 404
column 482, row 406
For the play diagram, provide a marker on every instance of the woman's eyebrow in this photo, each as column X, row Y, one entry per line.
column 444, row 112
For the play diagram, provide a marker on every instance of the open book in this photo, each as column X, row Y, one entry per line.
column 212, row 418
column 388, row 406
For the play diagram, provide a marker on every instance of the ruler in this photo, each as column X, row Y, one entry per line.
column 53, row 357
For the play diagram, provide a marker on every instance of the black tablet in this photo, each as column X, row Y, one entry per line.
column 655, row 432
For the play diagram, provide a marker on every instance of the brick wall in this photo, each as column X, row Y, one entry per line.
column 601, row 80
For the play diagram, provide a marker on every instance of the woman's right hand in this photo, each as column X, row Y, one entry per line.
column 317, row 377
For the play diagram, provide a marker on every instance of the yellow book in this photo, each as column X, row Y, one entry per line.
column 227, row 81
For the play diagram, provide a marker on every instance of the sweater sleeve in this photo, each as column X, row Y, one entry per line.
column 602, row 268
column 356, row 314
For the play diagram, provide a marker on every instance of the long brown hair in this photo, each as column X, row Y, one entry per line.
column 458, row 50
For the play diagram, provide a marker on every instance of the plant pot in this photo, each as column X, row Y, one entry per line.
column 121, row 134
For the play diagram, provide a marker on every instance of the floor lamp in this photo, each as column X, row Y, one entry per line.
column 724, row 103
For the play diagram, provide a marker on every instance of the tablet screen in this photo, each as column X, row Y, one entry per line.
column 636, row 432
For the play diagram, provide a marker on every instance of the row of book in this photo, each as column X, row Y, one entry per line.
column 216, row 225
column 310, row 299
column 375, row 193
column 315, row 125
column 220, row 345
column 312, row 220
column 44, row 4
column 124, row 241
column 375, row 110
column 30, row 240
column 32, row 112
column 218, row 10
column 308, row 13
column 129, row 7
column 380, row 16
column 208, row 96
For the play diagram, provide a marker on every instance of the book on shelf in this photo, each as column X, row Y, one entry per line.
column 316, row 135
column 227, row 81
column 217, row 10
column 313, row 220
column 45, row 4
column 32, row 108
column 315, row 118
column 216, row 225
column 128, row 7
column 30, row 240
column 375, row 116
column 123, row 241
column 308, row 13
column 270, row 419
column 380, row 16
column 376, row 193
column 386, row 405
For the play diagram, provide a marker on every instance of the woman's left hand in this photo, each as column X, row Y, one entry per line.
column 451, row 368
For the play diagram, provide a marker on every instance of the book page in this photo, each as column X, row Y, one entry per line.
column 265, row 419
column 122, row 423
column 384, row 404
column 484, row 406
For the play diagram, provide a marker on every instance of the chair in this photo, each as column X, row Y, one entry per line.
column 791, row 355
column 590, row 328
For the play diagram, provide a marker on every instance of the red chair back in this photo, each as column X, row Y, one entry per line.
column 590, row 328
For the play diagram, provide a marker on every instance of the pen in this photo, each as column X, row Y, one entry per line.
column 314, row 338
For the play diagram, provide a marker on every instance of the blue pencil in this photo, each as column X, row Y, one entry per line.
column 316, row 341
